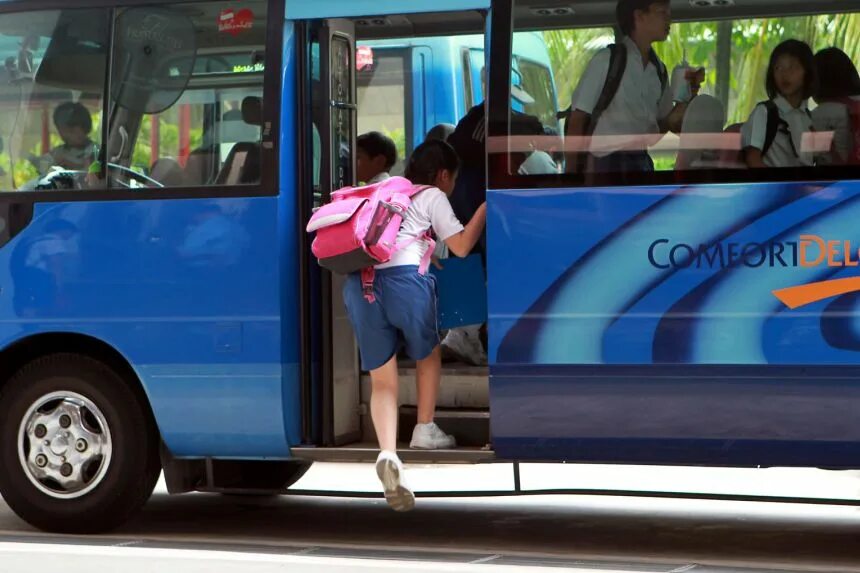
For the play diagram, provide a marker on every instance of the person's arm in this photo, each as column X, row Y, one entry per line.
column 672, row 114
column 673, row 121
column 753, row 157
column 462, row 243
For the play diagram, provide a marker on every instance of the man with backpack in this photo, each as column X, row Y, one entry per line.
column 623, row 103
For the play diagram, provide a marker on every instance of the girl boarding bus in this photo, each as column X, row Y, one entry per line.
column 649, row 298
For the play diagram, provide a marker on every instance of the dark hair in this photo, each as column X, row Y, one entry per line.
column 625, row 12
column 428, row 159
column 73, row 114
column 803, row 54
column 375, row 144
column 837, row 75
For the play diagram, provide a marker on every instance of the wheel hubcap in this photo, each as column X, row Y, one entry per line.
column 64, row 444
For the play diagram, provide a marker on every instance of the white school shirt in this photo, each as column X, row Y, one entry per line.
column 638, row 105
column 781, row 152
column 379, row 177
column 833, row 117
column 430, row 209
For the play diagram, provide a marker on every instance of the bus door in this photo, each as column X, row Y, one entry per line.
column 340, row 365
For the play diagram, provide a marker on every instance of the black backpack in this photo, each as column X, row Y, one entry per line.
column 774, row 122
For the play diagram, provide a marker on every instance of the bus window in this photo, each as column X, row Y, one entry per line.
column 201, row 124
column 538, row 83
column 381, row 81
column 700, row 105
column 51, row 86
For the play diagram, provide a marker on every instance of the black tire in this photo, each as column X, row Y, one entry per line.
column 134, row 467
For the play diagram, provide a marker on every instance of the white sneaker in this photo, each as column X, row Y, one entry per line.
column 392, row 475
column 431, row 437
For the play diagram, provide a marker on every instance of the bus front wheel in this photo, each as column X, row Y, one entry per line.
column 78, row 453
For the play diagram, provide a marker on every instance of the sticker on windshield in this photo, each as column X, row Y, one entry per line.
column 234, row 22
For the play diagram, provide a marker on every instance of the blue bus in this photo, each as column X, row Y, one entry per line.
column 160, row 310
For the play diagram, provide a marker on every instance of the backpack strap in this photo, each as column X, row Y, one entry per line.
column 614, row 75
column 617, row 63
column 773, row 122
column 368, row 274
column 662, row 73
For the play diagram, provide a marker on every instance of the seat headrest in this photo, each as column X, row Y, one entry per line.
column 704, row 114
column 252, row 110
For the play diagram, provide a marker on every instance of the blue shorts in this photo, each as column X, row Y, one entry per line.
column 403, row 315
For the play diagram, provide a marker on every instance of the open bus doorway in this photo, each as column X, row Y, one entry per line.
column 403, row 78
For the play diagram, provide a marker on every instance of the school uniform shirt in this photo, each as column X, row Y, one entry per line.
column 786, row 150
column 430, row 209
column 639, row 104
column 833, row 117
column 379, row 177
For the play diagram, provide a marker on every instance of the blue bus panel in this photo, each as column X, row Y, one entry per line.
column 187, row 291
column 676, row 323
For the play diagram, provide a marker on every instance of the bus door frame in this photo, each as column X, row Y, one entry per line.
column 341, row 390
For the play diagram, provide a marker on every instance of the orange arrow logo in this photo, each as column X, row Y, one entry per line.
column 797, row 296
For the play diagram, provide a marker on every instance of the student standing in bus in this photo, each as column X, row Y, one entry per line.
column 623, row 99
column 838, row 110
column 773, row 134
column 376, row 154
column 404, row 313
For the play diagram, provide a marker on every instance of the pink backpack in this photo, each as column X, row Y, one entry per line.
column 358, row 229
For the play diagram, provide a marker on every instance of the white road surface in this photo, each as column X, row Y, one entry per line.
column 217, row 534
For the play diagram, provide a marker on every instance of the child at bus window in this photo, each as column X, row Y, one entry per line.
column 791, row 81
column 838, row 100
column 78, row 151
column 375, row 154
column 404, row 314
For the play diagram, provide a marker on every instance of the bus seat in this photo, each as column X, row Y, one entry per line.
column 252, row 110
column 704, row 120
column 168, row 172
column 201, row 165
column 243, row 162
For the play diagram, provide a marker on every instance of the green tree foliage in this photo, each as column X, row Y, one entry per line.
column 752, row 42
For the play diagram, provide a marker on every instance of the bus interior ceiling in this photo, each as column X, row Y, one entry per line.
column 419, row 25
column 563, row 14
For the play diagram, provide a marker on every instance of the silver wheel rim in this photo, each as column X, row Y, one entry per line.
column 64, row 445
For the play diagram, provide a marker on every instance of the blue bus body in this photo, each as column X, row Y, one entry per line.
column 220, row 368
column 190, row 299
column 626, row 347
column 628, row 323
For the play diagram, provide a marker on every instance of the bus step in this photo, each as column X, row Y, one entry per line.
column 471, row 428
column 462, row 387
column 367, row 452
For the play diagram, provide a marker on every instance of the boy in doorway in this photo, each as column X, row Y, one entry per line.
column 376, row 154
column 640, row 110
